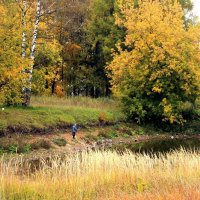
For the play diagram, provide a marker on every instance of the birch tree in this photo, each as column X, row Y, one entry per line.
column 27, row 92
column 23, row 26
column 42, row 10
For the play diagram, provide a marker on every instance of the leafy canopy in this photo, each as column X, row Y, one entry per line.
column 11, row 63
column 158, row 74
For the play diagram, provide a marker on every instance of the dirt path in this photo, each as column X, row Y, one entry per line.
column 79, row 144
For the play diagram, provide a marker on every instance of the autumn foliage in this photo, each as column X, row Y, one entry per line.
column 10, row 61
column 158, row 73
column 63, row 50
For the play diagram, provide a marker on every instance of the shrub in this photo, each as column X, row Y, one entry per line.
column 60, row 142
column 102, row 117
column 126, row 135
column 26, row 148
column 18, row 148
column 108, row 135
column 42, row 143
column 112, row 134
column 1, row 150
column 89, row 137
column 13, row 148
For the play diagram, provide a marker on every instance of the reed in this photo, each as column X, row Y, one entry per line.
column 103, row 175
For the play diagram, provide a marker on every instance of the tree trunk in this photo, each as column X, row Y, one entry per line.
column 23, row 43
column 24, row 26
column 27, row 95
column 53, row 87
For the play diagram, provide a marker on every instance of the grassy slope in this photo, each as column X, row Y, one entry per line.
column 50, row 112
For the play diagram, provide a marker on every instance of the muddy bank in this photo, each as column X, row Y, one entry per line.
column 61, row 128
column 76, row 146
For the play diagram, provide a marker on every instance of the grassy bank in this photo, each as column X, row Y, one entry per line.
column 50, row 113
column 104, row 175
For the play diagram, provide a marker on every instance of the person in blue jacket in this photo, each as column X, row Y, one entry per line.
column 74, row 130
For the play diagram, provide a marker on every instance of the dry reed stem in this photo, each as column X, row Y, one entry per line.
column 105, row 175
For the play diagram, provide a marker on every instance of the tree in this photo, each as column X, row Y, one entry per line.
column 187, row 5
column 29, row 69
column 102, row 35
column 47, row 68
column 68, row 26
column 36, row 9
column 11, row 63
column 158, row 74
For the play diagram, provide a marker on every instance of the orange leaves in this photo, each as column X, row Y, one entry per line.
column 71, row 49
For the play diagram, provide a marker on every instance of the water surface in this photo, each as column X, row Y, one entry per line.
column 159, row 146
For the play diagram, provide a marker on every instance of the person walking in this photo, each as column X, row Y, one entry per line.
column 74, row 130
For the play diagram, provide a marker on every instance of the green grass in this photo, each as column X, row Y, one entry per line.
column 47, row 113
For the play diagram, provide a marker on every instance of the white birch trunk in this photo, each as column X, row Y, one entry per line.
column 23, row 42
column 35, row 32
column 32, row 55
column 24, row 26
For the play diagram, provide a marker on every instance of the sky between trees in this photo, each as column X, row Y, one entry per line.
column 197, row 7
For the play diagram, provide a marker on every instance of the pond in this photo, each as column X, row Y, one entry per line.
column 159, row 146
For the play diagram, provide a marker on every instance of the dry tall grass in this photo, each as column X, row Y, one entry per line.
column 104, row 175
column 83, row 102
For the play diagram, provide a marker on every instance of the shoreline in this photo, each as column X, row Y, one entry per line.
column 77, row 146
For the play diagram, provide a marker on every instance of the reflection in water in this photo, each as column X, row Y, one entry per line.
column 160, row 146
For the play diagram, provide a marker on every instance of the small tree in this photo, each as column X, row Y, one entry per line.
column 11, row 63
column 159, row 73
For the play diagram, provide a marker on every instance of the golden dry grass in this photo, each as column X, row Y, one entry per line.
column 104, row 175
column 70, row 102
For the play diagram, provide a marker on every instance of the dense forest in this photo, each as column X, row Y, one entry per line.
column 81, row 48
column 63, row 46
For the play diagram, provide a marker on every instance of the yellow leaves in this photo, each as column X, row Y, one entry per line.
column 168, row 111
column 3, row 13
column 171, row 119
column 11, row 64
column 167, row 108
column 156, row 89
column 156, row 32
column 162, row 60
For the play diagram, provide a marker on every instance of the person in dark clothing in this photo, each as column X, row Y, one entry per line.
column 74, row 130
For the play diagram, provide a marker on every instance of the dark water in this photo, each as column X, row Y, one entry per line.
column 159, row 146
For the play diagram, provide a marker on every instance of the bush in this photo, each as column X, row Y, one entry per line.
column 17, row 148
column 102, row 117
column 89, row 137
column 60, row 142
column 42, row 143
column 108, row 135
column 1, row 150
column 26, row 148
column 126, row 135
column 13, row 148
